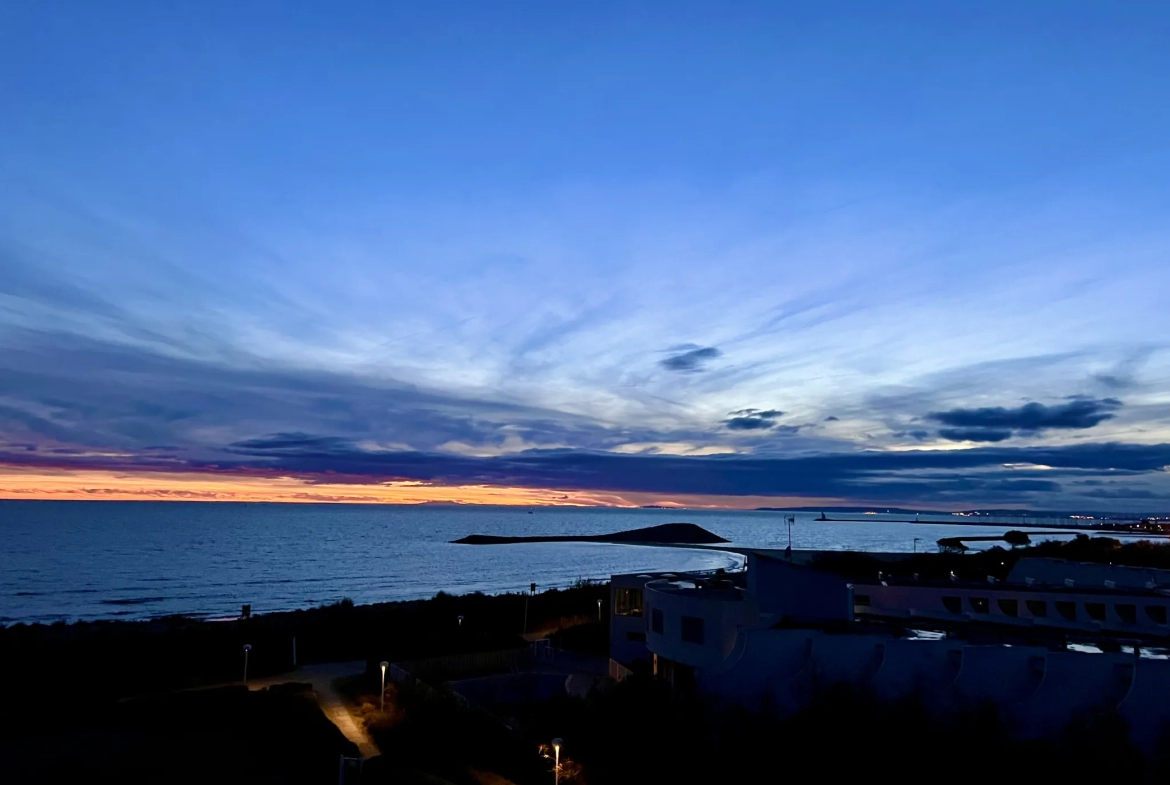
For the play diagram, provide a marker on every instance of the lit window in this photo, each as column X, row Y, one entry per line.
column 628, row 602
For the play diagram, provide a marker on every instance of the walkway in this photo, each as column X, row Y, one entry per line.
column 331, row 702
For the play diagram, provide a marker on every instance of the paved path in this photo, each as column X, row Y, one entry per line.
column 331, row 702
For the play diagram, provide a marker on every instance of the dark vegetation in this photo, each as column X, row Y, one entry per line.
column 223, row 735
column 676, row 533
column 1014, row 538
column 43, row 664
column 640, row 732
column 998, row 562
column 66, row 716
column 430, row 733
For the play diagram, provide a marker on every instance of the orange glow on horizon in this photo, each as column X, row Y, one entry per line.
column 63, row 484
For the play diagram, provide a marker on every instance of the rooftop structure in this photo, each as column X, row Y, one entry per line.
column 784, row 628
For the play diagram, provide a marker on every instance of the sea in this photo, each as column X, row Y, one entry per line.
column 68, row 561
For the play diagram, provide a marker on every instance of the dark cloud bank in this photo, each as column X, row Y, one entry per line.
column 968, row 475
column 869, row 474
column 752, row 419
column 76, row 403
column 997, row 424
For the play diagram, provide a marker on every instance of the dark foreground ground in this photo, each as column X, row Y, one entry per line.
column 130, row 702
column 125, row 701
column 227, row 735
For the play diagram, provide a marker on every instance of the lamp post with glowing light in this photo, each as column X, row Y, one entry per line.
column 599, row 610
column 382, row 694
column 247, row 648
column 556, row 744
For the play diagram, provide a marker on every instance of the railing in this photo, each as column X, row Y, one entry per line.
column 400, row 675
column 457, row 665
column 572, row 660
column 619, row 672
column 540, row 654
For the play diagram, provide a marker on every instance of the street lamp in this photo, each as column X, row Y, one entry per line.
column 460, row 620
column 557, row 760
column 599, row 610
column 382, row 694
column 247, row 648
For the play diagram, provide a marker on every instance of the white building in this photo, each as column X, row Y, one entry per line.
column 780, row 630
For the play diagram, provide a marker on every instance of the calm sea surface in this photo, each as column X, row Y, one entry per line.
column 133, row 560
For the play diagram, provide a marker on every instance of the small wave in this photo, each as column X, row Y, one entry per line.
column 28, row 594
column 133, row 601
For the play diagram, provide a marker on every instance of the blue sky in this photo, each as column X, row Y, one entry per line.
column 803, row 250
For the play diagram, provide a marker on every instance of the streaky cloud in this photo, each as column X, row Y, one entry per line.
column 690, row 361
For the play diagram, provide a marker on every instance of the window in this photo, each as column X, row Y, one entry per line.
column 656, row 621
column 1009, row 607
column 1127, row 613
column 636, row 637
column 1038, row 608
column 1096, row 610
column 978, row 604
column 692, row 629
column 1067, row 610
column 629, row 602
column 861, row 599
column 953, row 604
column 1156, row 613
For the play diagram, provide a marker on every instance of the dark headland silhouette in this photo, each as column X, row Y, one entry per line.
column 674, row 533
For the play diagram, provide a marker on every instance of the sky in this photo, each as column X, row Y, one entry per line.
column 758, row 254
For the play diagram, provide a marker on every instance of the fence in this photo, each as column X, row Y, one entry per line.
column 399, row 675
column 539, row 656
column 458, row 665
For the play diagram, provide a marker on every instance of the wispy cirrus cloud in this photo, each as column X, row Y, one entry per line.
column 216, row 281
